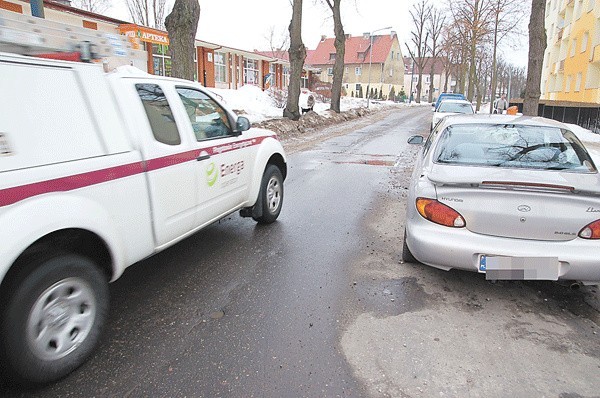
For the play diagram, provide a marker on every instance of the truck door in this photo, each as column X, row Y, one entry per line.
column 224, row 158
column 171, row 168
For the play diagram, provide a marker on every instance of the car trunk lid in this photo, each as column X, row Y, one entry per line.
column 527, row 204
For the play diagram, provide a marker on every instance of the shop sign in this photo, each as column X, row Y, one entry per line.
column 145, row 34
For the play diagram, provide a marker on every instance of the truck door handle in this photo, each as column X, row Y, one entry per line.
column 202, row 157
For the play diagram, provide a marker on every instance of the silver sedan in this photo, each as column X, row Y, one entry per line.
column 512, row 197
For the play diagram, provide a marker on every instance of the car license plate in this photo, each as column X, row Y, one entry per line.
column 519, row 268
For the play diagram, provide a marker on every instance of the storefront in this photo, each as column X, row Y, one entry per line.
column 156, row 43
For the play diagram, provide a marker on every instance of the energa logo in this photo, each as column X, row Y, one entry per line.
column 211, row 174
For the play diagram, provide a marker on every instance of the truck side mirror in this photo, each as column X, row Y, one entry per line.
column 242, row 124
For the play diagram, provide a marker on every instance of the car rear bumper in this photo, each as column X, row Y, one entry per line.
column 447, row 248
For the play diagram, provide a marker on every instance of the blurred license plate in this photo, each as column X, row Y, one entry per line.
column 519, row 268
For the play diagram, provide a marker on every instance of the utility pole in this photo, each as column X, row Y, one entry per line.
column 371, row 61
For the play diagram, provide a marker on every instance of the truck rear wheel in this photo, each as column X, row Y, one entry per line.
column 271, row 195
column 53, row 319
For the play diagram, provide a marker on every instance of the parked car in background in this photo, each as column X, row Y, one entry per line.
column 512, row 197
column 445, row 96
column 451, row 107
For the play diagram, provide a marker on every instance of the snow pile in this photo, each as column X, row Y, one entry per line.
column 258, row 105
column 589, row 139
column 251, row 102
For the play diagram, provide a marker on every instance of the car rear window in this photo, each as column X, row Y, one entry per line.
column 455, row 107
column 505, row 145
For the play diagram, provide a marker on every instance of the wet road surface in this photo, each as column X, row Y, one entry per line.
column 318, row 304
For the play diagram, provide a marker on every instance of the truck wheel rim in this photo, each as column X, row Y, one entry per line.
column 273, row 194
column 61, row 318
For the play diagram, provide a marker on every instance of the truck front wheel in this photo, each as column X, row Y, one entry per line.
column 53, row 319
column 271, row 195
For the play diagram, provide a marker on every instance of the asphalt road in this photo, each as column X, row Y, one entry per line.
column 319, row 304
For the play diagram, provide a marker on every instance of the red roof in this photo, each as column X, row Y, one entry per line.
column 357, row 50
column 281, row 54
column 438, row 66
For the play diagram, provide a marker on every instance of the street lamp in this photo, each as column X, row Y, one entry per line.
column 371, row 61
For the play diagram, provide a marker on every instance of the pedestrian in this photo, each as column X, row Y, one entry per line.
column 501, row 105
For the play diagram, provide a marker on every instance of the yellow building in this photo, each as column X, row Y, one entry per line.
column 571, row 70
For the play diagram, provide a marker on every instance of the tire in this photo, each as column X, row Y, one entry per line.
column 407, row 256
column 271, row 195
column 52, row 319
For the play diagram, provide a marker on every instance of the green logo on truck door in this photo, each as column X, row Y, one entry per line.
column 211, row 174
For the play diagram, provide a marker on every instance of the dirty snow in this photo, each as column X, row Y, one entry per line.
column 257, row 105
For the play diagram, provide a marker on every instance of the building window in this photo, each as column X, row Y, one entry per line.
column 220, row 68
column 392, row 55
column 573, row 46
column 578, row 82
column 358, row 71
column 332, row 57
column 161, row 61
column 286, row 76
column 251, row 71
column 330, row 71
column 347, row 70
column 584, row 41
column 568, row 86
column 391, row 72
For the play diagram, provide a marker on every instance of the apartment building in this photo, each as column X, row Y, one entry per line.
column 571, row 69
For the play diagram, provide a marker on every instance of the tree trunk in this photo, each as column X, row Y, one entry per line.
column 182, row 24
column 419, row 85
column 297, row 53
column 494, row 60
column 537, row 47
column 340, row 52
column 431, row 88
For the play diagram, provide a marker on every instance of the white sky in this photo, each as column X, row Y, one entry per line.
column 245, row 24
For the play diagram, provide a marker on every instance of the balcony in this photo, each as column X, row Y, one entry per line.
column 559, row 35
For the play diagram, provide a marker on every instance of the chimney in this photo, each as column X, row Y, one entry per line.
column 347, row 36
column 366, row 35
column 323, row 37
column 392, row 34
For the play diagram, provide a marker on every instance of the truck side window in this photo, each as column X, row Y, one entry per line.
column 159, row 114
column 208, row 119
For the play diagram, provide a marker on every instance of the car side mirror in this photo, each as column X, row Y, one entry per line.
column 242, row 124
column 416, row 140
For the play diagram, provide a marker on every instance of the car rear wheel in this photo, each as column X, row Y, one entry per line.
column 53, row 318
column 407, row 256
column 271, row 195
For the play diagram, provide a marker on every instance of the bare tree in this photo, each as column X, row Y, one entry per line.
column 507, row 16
column 434, row 29
column 340, row 52
column 419, row 37
column 537, row 47
column 472, row 17
column 297, row 53
column 278, row 42
column 148, row 12
column 95, row 6
column 182, row 24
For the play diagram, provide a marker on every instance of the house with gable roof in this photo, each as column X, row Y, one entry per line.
column 383, row 67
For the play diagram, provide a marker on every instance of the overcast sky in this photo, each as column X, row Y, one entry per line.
column 245, row 24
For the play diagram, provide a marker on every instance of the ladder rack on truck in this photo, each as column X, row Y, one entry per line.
column 27, row 35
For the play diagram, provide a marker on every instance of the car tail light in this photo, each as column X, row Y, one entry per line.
column 439, row 213
column 591, row 231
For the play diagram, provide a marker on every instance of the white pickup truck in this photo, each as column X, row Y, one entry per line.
column 97, row 172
